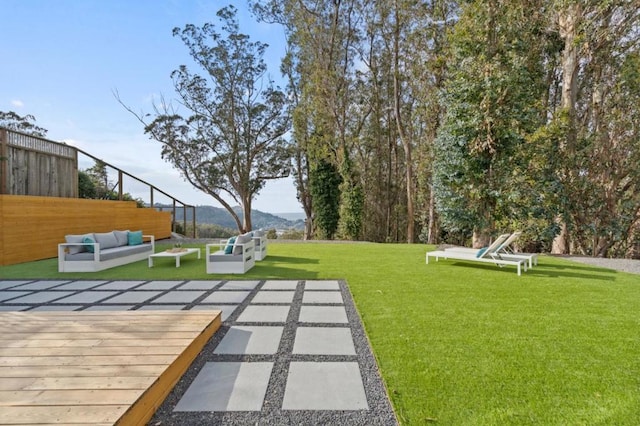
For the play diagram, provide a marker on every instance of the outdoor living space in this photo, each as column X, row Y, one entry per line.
column 452, row 342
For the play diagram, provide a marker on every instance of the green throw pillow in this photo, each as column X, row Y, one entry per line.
column 229, row 247
column 135, row 238
column 89, row 248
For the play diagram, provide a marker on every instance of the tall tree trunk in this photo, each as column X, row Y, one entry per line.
column 568, row 25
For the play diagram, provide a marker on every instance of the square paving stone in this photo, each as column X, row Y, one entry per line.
column 6, row 295
column 322, row 297
column 324, row 386
column 323, row 314
column 120, row 285
column 227, row 310
column 199, row 285
column 179, row 297
column 80, row 285
column 42, row 296
column 162, row 307
column 132, row 297
column 7, row 308
column 87, row 297
column 226, row 297
column 280, row 285
column 110, row 308
column 264, row 314
column 159, row 285
column 40, row 285
column 227, row 386
column 243, row 340
column 323, row 341
column 9, row 284
column 239, row 285
column 55, row 308
column 322, row 285
column 273, row 297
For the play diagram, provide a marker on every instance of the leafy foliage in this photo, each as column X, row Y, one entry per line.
column 324, row 185
column 24, row 124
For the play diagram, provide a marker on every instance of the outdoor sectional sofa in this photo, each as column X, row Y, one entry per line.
column 94, row 252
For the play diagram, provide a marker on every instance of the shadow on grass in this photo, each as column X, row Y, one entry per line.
column 542, row 271
column 289, row 259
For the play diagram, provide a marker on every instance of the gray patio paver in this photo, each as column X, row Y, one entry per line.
column 259, row 313
column 8, row 308
column 322, row 285
column 226, row 297
column 9, row 284
column 324, row 386
column 40, row 285
column 243, row 340
column 61, row 308
column 199, row 285
column 42, row 297
column 227, row 386
column 161, row 307
column 324, row 341
column 80, row 285
column 187, row 296
column 240, row 285
column 280, row 285
column 6, row 295
column 226, row 309
column 132, row 297
column 159, row 285
column 109, row 308
column 119, row 285
column 87, row 297
column 323, row 314
column 322, row 297
column 273, row 297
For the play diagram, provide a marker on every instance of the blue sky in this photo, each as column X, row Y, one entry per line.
column 63, row 59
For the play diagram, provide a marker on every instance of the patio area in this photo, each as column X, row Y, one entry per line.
column 287, row 351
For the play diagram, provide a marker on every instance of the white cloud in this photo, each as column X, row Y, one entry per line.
column 17, row 103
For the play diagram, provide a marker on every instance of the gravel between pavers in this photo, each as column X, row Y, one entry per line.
column 380, row 411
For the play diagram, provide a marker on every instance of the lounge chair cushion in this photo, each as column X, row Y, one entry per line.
column 481, row 252
column 106, row 240
column 241, row 239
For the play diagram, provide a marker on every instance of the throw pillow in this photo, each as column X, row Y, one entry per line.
column 229, row 247
column 89, row 247
column 135, row 238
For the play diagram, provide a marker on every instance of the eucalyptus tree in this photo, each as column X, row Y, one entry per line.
column 233, row 139
column 492, row 104
column 24, row 124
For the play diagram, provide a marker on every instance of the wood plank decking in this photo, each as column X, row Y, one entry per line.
column 95, row 367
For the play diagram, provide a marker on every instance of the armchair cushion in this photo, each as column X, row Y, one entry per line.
column 241, row 239
column 229, row 247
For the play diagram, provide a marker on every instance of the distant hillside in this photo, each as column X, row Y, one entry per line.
column 219, row 216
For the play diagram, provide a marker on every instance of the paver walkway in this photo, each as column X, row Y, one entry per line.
column 288, row 352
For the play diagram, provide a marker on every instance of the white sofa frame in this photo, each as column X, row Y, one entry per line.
column 260, row 247
column 229, row 263
column 96, row 264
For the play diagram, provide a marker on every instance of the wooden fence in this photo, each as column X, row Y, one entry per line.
column 32, row 227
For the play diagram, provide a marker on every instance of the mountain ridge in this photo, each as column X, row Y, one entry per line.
column 221, row 217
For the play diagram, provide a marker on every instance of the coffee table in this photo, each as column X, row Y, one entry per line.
column 175, row 254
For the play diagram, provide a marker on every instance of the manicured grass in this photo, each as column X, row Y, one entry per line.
column 463, row 343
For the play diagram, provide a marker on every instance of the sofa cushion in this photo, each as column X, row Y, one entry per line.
column 76, row 239
column 240, row 239
column 106, row 240
column 123, row 251
column 122, row 237
column 89, row 247
column 135, row 238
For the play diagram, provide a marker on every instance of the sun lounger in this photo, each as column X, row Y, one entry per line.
column 487, row 255
column 503, row 251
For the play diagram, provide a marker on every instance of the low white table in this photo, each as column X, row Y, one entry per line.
column 175, row 254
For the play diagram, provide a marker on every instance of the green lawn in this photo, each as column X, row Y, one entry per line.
column 463, row 343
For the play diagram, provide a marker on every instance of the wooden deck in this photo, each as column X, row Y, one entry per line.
column 95, row 367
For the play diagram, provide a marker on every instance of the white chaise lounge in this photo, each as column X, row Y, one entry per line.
column 487, row 255
column 504, row 251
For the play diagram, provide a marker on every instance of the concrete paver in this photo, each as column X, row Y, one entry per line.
column 322, row 297
column 324, row 341
column 323, row 314
column 243, row 340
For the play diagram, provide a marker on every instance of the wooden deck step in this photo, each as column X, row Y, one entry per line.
column 98, row 368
